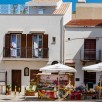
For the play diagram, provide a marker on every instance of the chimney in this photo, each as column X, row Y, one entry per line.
column 81, row 1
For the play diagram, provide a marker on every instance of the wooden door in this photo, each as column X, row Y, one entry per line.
column 33, row 77
column 16, row 80
column 90, row 49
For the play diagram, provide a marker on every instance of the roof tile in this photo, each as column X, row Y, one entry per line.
column 84, row 22
column 62, row 9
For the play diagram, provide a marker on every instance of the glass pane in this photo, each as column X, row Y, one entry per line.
column 40, row 52
column 18, row 41
column 40, row 41
column 35, row 46
column 18, row 52
column 13, row 41
column 40, row 11
column 35, row 41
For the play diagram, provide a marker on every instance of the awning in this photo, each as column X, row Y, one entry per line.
column 36, row 31
column 68, row 61
column 15, row 31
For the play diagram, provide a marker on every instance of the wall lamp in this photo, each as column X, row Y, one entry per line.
column 68, row 38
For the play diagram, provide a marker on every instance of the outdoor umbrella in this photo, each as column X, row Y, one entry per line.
column 94, row 68
column 59, row 68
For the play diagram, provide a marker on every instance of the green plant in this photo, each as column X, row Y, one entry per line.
column 8, row 86
column 30, row 89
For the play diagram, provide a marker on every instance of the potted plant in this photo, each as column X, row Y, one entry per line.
column 8, row 89
column 30, row 91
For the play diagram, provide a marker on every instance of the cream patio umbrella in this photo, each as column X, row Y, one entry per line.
column 94, row 68
column 59, row 68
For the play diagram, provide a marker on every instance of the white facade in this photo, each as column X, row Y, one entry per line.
column 50, row 24
column 74, row 47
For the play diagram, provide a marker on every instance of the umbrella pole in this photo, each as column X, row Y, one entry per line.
column 58, row 85
column 100, row 87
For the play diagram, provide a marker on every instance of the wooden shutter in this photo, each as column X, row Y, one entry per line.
column 23, row 45
column 45, row 46
column 90, row 49
column 7, row 45
column 29, row 45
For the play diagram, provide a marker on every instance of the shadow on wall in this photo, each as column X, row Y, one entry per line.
column 77, row 43
column 75, row 40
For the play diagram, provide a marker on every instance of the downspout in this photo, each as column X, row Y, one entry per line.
column 61, row 41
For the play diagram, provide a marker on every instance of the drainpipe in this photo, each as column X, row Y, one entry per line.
column 61, row 41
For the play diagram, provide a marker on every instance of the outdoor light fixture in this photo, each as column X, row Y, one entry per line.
column 68, row 38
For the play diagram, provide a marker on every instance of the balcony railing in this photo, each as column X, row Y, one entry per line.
column 92, row 54
column 25, row 53
column 14, row 9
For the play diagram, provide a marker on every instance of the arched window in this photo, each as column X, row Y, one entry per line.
column 26, row 71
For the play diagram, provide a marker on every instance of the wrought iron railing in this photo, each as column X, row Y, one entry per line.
column 92, row 54
column 26, row 52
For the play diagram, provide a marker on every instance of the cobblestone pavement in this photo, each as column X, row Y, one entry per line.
column 9, row 98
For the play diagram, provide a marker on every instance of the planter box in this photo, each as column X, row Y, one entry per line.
column 29, row 94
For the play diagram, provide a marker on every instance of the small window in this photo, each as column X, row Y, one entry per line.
column 26, row 71
column 41, row 11
column 53, row 40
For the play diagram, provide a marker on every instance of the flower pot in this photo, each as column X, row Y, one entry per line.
column 8, row 92
column 29, row 94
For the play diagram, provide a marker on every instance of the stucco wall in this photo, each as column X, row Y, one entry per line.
column 74, row 46
column 20, row 65
column 68, row 16
column 88, row 11
column 50, row 24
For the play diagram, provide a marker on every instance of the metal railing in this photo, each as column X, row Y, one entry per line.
column 26, row 52
column 14, row 9
column 92, row 54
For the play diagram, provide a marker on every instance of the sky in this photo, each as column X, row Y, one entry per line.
column 23, row 1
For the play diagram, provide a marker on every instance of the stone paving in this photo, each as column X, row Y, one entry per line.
column 12, row 98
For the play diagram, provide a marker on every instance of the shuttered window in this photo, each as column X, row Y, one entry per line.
column 29, row 45
column 37, row 45
column 15, row 45
column 90, row 49
column 23, row 45
column 7, row 45
column 45, row 46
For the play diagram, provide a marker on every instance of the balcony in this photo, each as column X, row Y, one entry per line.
column 25, row 53
column 90, row 55
column 14, row 9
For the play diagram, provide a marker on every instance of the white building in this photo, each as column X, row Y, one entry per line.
column 83, row 46
column 31, row 38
